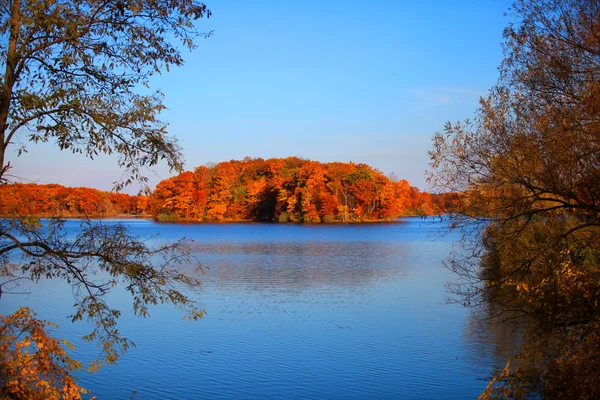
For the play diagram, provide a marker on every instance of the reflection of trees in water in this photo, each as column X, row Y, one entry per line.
column 545, row 359
column 300, row 265
column 491, row 341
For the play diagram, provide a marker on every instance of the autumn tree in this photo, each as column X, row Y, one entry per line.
column 286, row 190
column 71, row 74
column 528, row 168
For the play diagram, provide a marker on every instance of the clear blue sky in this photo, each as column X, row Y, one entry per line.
column 326, row 80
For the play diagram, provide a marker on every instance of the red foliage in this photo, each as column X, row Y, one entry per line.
column 289, row 189
column 58, row 201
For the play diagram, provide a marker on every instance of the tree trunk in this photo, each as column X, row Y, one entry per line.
column 9, row 81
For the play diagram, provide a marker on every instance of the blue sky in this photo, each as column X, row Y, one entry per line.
column 325, row 80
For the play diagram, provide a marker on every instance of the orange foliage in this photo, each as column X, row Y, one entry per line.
column 287, row 189
column 34, row 365
column 54, row 200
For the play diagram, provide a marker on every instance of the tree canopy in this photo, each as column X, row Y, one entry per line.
column 288, row 190
column 529, row 169
column 53, row 200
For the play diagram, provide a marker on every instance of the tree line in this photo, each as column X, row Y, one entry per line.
column 288, row 190
column 284, row 190
column 55, row 200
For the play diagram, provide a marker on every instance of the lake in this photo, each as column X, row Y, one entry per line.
column 295, row 312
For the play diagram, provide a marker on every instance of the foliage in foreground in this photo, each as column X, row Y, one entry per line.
column 34, row 365
column 71, row 71
column 93, row 261
column 529, row 168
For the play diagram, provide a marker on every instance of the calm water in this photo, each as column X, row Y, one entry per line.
column 295, row 312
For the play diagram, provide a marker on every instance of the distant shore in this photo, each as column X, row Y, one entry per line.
column 223, row 221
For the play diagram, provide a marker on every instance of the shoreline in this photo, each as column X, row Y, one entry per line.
column 224, row 221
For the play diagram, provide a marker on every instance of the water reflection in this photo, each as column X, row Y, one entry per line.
column 491, row 341
column 298, row 312
column 299, row 265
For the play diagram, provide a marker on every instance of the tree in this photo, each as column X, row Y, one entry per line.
column 73, row 74
column 528, row 168
column 285, row 190
column 73, row 70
